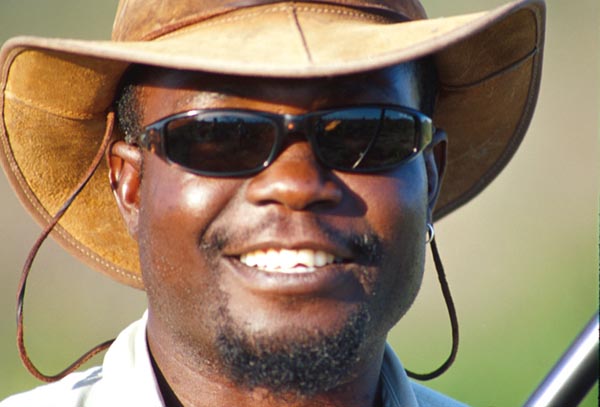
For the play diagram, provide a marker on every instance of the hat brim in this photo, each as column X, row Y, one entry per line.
column 56, row 92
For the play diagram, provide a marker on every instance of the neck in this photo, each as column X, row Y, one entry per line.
column 182, row 383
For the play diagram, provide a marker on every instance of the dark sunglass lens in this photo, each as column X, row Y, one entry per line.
column 220, row 143
column 366, row 138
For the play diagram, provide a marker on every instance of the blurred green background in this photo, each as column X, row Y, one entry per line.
column 522, row 259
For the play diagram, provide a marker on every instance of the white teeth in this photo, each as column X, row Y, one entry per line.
column 320, row 259
column 287, row 261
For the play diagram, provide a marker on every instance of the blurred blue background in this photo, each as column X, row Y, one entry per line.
column 522, row 259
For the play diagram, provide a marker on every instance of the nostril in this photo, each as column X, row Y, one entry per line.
column 295, row 180
column 294, row 191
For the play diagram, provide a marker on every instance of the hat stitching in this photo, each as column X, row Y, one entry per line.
column 399, row 16
column 59, row 229
column 67, row 236
column 16, row 170
column 331, row 10
column 201, row 16
column 187, row 21
column 219, row 20
column 69, row 114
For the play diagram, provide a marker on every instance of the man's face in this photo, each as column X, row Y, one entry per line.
column 198, row 235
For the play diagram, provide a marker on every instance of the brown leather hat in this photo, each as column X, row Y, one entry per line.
column 56, row 92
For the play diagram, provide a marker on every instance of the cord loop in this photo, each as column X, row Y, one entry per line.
column 439, row 267
column 33, row 253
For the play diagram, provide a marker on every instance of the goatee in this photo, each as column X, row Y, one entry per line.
column 311, row 363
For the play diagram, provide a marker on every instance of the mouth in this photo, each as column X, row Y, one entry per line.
column 293, row 271
column 289, row 261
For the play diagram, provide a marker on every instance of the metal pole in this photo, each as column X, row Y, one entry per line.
column 573, row 375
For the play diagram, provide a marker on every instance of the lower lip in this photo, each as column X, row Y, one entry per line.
column 323, row 280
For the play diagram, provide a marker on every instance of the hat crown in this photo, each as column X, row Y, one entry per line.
column 144, row 20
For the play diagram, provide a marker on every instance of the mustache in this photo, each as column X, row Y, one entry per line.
column 365, row 245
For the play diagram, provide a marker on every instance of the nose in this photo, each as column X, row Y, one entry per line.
column 295, row 180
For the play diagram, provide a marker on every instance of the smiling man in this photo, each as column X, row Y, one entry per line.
column 289, row 275
column 276, row 168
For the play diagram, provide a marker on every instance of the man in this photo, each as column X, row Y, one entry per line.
column 278, row 174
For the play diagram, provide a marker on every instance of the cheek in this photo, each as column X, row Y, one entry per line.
column 176, row 208
column 396, row 202
column 396, row 211
column 169, row 194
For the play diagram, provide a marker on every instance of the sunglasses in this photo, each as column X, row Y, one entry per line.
column 230, row 142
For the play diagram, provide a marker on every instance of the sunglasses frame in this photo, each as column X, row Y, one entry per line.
column 153, row 137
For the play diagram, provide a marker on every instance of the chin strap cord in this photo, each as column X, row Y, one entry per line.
column 32, row 254
column 439, row 267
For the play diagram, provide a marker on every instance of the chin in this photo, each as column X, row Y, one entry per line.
column 301, row 362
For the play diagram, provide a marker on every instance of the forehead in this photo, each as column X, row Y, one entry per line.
column 162, row 92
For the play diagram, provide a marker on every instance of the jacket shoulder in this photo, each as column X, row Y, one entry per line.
column 70, row 391
column 427, row 397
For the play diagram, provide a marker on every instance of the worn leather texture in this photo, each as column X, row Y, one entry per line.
column 485, row 72
column 55, row 93
column 139, row 20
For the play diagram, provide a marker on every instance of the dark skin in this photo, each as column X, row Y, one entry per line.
column 296, row 203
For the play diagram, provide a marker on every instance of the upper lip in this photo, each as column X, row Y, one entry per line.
column 338, row 279
column 296, row 231
column 338, row 251
column 334, row 279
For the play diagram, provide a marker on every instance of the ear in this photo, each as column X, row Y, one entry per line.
column 435, row 163
column 124, row 163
